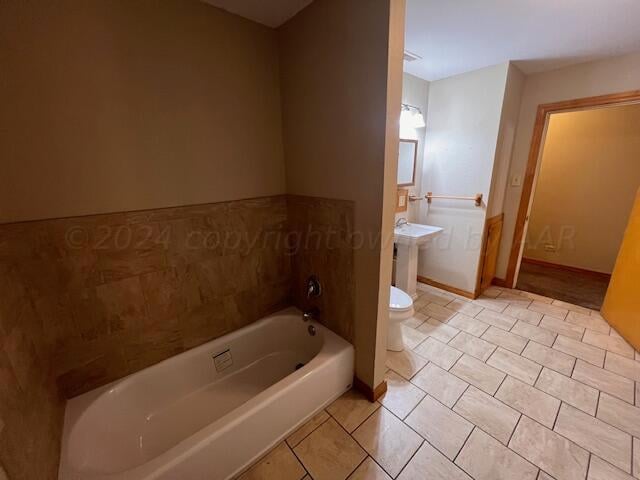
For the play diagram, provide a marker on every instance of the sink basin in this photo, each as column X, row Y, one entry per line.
column 414, row 233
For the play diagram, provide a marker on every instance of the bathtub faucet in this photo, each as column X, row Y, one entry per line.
column 311, row 314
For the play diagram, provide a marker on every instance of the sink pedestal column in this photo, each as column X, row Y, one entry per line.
column 407, row 268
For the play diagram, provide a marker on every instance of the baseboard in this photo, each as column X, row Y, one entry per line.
column 499, row 282
column 371, row 394
column 448, row 288
column 543, row 263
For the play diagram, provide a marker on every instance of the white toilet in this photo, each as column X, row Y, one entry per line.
column 400, row 308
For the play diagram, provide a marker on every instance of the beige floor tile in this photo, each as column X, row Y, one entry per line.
column 492, row 292
column 515, row 365
column 571, row 307
column 592, row 322
column 509, row 341
column 468, row 308
column 548, row 309
column 588, row 353
column 626, row 367
column 474, row 346
column 491, row 415
column 544, row 476
column 428, row 463
column 491, row 304
column 401, row 396
column 329, row 452
column 619, row 414
column 279, row 463
column 407, row 363
column 536, row 297
column 497, row 319
column 412, row 337
column 601, row 470
column 523, row 314
column 389, row 441
column 515, row 299
column 636, row 457
column 318, row 419
column 563, row 328
column 443, row 428
column 537, row 334
column 605, row 381
column 437, row 352
column 369, row 470
column 550, row 358
column 351, row 409
column 599, row 438
column 438, row 312
column 607, row 342
column 479, row 374
column 484, row 458
column 468, row 324
column 416, row 320
column 436, row 296
column 438, row 330
column 529, row 400
column 440, row 384
column 568, row 390
column 549, row 451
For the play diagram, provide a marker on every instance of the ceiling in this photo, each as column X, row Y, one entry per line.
column 457, row 36
column 271, row 13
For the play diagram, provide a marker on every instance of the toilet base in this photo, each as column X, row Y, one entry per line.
column 395, row 337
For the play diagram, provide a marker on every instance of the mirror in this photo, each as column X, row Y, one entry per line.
column 408, row 153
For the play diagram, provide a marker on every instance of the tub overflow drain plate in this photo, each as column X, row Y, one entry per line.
column 222, row 360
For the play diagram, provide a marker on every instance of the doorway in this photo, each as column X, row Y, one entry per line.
column 578, row 192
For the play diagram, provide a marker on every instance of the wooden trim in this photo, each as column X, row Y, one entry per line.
column 487, row 224
column 415, row 161
column 539, row 130
column 535, row 261
column 448, row 288
column 499, row 282
column 371, row 394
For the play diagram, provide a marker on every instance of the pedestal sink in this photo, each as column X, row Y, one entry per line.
column 409, row 237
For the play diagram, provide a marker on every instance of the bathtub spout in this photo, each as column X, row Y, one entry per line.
column 312, row 314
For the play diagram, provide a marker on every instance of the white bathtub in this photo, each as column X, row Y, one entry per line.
column 186, row 419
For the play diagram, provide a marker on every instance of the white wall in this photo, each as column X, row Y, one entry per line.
column 599, row 151
column 613, row 75
column 463, row 123
column 415, row 91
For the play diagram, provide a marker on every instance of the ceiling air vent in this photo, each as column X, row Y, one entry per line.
column 411, row 57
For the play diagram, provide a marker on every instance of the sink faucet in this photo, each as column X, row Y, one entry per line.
column 401, row 221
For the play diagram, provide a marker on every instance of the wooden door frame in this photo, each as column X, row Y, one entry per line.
column 539, row 130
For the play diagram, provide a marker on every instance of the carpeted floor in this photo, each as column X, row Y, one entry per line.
column 584, row 289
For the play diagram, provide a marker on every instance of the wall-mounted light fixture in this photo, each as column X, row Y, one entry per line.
column 411, row 116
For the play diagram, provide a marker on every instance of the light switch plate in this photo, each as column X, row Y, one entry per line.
column 516, row 181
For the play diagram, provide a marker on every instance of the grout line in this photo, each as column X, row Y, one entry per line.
column 514, row 429
column 411, row 457
column 316, row 427
column 464, row 443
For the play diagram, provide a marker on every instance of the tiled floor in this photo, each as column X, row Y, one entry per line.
column 511, row 386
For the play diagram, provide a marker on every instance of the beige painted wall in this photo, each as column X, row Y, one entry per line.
column 463, row 123
column 112, row 106
column 612, row 75
column 586, row 187
column 506, row 139
column 341, row 79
